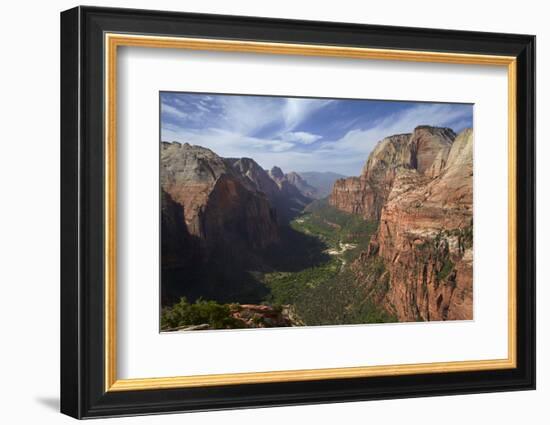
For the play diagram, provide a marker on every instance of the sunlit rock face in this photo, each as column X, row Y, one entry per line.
column 419, row 186
column 425, row 150
column 220, row 205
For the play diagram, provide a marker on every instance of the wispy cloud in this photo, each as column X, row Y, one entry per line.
column 173, row 111
column 301, row 137
column 362, row 141
column 298, row 134
column 296, row 110
column 226, row 143
column 247, row 115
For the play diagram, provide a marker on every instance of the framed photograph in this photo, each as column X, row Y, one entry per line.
column 261, row 212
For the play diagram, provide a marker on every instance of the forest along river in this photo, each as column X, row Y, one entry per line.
column 330, row 241
column 335, row 249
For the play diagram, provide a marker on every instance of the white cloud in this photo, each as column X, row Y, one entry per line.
column 175, row 112
column 266, row 152
column 361, row 142
column 296, row 110
column 225, row 143
column 202, row 107
column 279, row 146
column 229, row 133
column 247, row 115
column 302, row 137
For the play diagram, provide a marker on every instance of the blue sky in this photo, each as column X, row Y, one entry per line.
column 298, row 134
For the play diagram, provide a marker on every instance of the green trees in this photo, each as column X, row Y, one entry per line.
column 330, row 292
column 182, row 314
column 343, row 299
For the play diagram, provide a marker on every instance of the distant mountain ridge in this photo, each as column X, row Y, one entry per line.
column 321, row 181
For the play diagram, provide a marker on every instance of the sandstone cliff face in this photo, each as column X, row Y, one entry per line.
column 287, row 193
column 220, row 216
column 425, row 237
column 220, row 206
column 302, row 185
column 289, row 200
column 425, row 150
column 255, row 176
column 352, row 195
column 178, row 246
column 365, row 195
column 429, row 148
column 419, row 186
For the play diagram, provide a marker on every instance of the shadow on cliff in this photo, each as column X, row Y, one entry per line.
column 296, row 251
column 223, row 277
column 227, row 274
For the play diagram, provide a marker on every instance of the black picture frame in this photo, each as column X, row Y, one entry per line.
column 83, row 392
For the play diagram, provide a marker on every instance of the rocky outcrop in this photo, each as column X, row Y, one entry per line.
column 220, row 206
column 250, row 316
column 254, row 176
column 429, row 148
column 425, row 237
column 181, row 252
column 365, row 195
column 352, row 195
column 264, row 316
column 425, row 150
column 178, row 246
column 302, row 185
column 289, row 201
column 419, row 187
column 282, row 190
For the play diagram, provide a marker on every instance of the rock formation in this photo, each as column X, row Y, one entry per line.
column 254, row 176
column 419, row 187
column 178, row 245
column 365, row 195
column 219, row 205
column 425, row 150
column 290, row 201
column 302, row 185
column 281, row 189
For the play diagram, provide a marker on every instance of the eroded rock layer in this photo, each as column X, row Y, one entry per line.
column 419, row 187
column 220, row 206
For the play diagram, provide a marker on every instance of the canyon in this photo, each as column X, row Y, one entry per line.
column 270, row 241
column 219, row 217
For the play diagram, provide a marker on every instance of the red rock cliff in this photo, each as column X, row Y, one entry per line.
column 419, row 186
column 425, row 150
column 219, row 205
column 425, row 237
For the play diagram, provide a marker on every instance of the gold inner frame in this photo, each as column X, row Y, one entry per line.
column 113, row 41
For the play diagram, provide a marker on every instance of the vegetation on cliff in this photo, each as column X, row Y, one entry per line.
column 210, row 315
column 184, row 314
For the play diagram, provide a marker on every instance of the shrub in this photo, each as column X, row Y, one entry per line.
column 217, row 316
column 446, row 269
